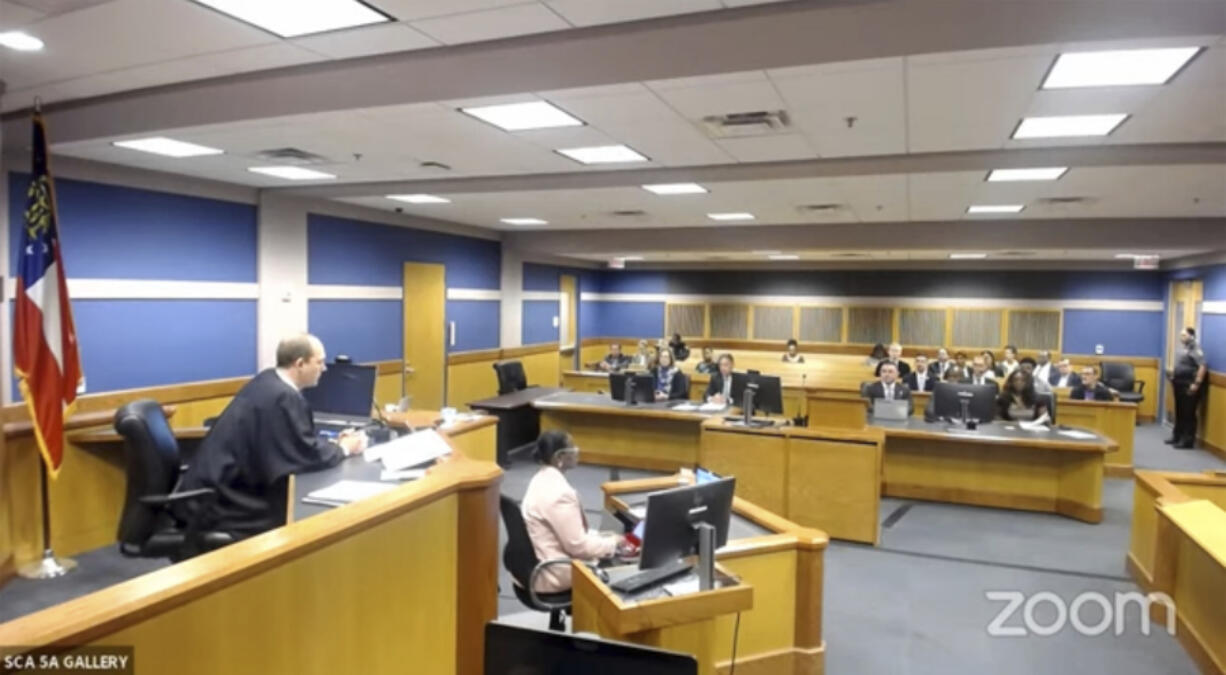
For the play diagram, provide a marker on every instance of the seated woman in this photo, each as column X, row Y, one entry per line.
column 554, row 516
column 990, row 361
column 793, row 353
column 677, row 345
column 667, row 383
column 1010, row 362
column 641, row 357
column 707, row 365
column 1018, row 401
column 877, row 356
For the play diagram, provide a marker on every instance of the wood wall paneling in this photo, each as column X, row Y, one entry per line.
column 870, row 325
column 923, row 327
column 730, row 321
column 773, row 322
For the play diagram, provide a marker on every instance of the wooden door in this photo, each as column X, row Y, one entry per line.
column 425, row 357
column 568, row 315
column 1186, row 299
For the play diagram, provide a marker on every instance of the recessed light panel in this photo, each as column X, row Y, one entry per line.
column 524, row 221
column 730, row 216
column 292, row 18
column 1065, row 126
column 523, row 116
column 603, row 154
column 967, row 256
column 1047, row 173
column 784, row 256
column 676, row 189
column 420, row 199
column 167, row 147
column 1117, row 68
column 291, row 172
column 995, row 208
column 19, row 41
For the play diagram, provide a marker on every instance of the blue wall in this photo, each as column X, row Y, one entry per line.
column 344, row 251
column 113, row 232
column 537, row 321
column 1120, row 333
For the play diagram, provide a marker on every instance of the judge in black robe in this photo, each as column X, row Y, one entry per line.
column 264, row 435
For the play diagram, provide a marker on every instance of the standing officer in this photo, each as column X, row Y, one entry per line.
column 1188, row 379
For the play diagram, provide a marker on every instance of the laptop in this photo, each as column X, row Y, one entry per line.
column 890, row 410
column 343, row 397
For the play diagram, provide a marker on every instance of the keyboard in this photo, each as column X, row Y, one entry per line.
column 637, row 582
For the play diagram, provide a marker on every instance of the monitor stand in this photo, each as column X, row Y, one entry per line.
column 706, row 556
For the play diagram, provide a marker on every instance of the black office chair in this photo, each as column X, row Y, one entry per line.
column 683, row 388
column 148, row 526
column 511, row 377
column 520, row 560
column 864, row 388
column 1121, row 377
column 1051, row 405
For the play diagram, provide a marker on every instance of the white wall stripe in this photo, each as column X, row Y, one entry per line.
column 1213, row 307
column 339, row 292
column 871, row 301
column 473, row 294
column 152, row 289
column 541, row 295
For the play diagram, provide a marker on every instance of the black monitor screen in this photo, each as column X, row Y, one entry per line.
column 524, row 651
column 343, row 389
column 769, row 396
column 947, row 400
column 668, row 533
column 644, row 386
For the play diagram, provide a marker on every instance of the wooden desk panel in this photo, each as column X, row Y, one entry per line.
column 659, row 442
column 1114, row 420
column 1190, row 567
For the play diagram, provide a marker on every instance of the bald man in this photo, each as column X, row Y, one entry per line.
column 264, row 435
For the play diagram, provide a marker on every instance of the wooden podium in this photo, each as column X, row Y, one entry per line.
column 685, row 623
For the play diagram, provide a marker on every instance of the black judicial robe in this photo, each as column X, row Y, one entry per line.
column 264, row 435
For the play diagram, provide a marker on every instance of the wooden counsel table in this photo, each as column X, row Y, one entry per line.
column 780, row 560
column 405, row 577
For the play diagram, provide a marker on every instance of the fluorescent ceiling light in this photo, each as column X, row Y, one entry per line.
column 420, row 199
column 291, row 172
column 967, row 256
column 1048, row 173
column 1068, row 125
column 766, row 252
column 996, row 208
column 730, row 216
column 676, row 188
column 631, row 258
column 603, row 154
column 1134, row 256
column 292, row 18
column 22, row 42
column 1117, row 68
column 784, row 256
column 168, row 147
column 523, row 116
column 524, row 221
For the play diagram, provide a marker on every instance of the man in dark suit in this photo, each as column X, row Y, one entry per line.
column 895, row 357
column 1064, row 375
column 615, row 361
column 920, row 379
column 889, row 387
column 980, row 373
column 719, row 389
column 265, row 434
column 1088, row 388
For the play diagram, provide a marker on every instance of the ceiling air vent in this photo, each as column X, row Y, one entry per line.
column 850, row 255
column 738, row 125
column 1016, row 254
column 291, row 156
column 820, row 208
column 629, row 213
column 434, row 165
column 1066, row 201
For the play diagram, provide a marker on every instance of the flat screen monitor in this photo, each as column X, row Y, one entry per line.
column 947, row 400
column 510, row 650
column 644, row 385
column 344, row 389
column 669, row 534
column 769, row 396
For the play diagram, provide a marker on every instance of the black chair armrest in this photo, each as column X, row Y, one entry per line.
column 536, row 571
column 177, row 497
column 1140, row 385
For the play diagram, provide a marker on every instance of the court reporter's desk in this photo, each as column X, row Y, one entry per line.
column 405, row 579
column 591, row 381
column 643, row 436
column 782, row 562
column 845, row 408
column 518, row 422
column 1178, row 548
column 996, row 465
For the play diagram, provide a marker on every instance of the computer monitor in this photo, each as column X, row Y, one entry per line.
column 947, row 400
column 511, row 650
column 344, row 389
column 644, row 387
column 769, row 395
column 669, row 532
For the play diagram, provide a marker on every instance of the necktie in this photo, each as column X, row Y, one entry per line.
column 889, row 392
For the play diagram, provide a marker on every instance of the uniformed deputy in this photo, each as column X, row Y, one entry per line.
column 1188, row 379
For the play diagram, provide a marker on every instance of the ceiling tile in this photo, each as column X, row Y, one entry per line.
column 768, row 148
column 411, row 10
column 593, row 12
column 13, row 15
column 491, row 24
column 367, row 40
column 700, row 97
column 821, row 103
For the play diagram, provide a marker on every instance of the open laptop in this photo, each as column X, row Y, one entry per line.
column 890, row 410
column 343, row 397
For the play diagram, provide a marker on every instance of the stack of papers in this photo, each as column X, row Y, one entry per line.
column 347, row 491
column 712, row 407
column 685, row 407
column 1079, row 435
column 409, row 451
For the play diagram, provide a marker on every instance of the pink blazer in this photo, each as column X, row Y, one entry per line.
column 558, row 529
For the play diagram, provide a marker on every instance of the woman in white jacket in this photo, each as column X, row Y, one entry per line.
column 554, row 515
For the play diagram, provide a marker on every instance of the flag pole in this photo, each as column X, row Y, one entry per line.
column 49, row 566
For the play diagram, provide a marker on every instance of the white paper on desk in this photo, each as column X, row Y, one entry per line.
column 1035, row 425
column 1079, row 435
column 413, row 450
column 712, row 407
column 405, row 474
column 347, row 491
column 685, row 407
column 683, row 587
